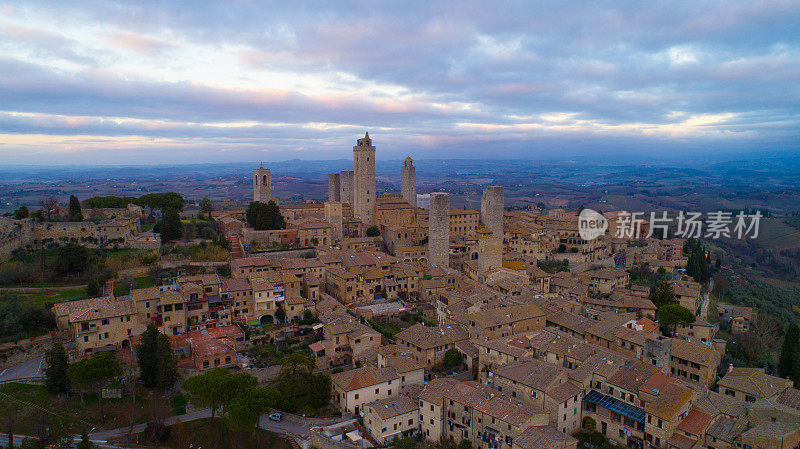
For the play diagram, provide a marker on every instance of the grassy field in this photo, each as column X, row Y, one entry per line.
column 41, row 298
column 32, row 405
column 777, row 233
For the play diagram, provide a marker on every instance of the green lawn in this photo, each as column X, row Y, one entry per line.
column 41, row 298
column 67, row 411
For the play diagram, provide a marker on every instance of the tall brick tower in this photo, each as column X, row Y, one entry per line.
column 408, row 181
column 262, row 185
column 492, row 210
column 364, row 181
column 439, row 230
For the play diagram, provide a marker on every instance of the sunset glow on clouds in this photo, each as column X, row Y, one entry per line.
column 166, row 82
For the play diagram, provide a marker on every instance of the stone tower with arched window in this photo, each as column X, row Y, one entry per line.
column 262, row 185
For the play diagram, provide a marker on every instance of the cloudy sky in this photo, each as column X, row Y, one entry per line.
column 164, row 82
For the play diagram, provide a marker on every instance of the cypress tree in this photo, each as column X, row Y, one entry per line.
column 155, row 359
column 56, row 379
column 170, row 227
column 789, row 362
column 75, row 212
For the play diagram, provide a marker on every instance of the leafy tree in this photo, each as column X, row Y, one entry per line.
column 155, row 358
column 162, row 201
column 280, row 314
column 589, row 423
column 453, row 357
column 207, row 390
column 22, row 212
column 170, row 227
column 789, row 361
column 662, row 294
column 404, row 443
column 247, row 407
column 75, row 213
column 262, row 216
column 109, row 202
column 72, row 258
column 93, row 288
column 49, row 207
column 206, row 206
column 93, row 374
column 465, row 444
column 57, row 364
column 670, row 315
column 373, row 231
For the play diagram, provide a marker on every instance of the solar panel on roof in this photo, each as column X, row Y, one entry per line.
column 616, row 405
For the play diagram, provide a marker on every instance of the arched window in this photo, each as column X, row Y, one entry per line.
column 265, row 180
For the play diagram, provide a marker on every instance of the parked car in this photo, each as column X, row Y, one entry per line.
column 277, row 416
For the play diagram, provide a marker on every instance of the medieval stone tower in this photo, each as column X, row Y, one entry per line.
column 334, row 187
column 490, row 253
column 492, row 210
column 333, row 215
column 262, row 185
column 408, row 181
column 439, row 230
column 346, row 186
column 364, row 181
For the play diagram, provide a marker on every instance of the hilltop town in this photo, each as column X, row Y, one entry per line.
column 389, row 318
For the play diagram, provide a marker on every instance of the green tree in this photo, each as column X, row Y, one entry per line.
column 262, row 216
column 208, row 390
column 246, row 408
column 170, row 226
column 93, row 288
column 453, row 357
column 162, row 201
column 75, row 212
column 206, row 206
column 280, row 314
column 465, row 444
column 373, row 231
column 662, row 294
column 22, row 212
column 57, row 364
column 93, row 374
column 156, row 360
column 789, row 361
column 670, row 315
column 72, row 258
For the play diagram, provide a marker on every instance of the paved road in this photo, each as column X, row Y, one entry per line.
column 283, row 427
column 30, row 369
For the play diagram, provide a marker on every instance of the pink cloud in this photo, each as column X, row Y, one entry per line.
column 138, row 43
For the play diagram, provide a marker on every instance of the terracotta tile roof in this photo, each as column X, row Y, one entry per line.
column 790, row 397
column 772, row 430
column 533, row 373
column 505, row 315
column 695, row 422
column 544, row 437
column 632, row 375
column 104, row 309
column 669, row 401
column 695, row 352
column 716, row 404
column 427, row 337
column 564, row 391
column 363, row 377
column 727, row 429
column 754, row 381
column 393, row 406
column 437, row 388
column 679, row 441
